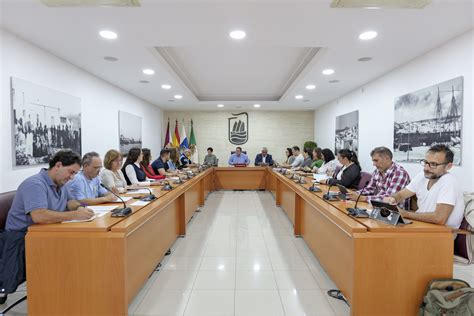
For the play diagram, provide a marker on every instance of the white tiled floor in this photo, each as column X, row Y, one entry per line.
column 239, row 257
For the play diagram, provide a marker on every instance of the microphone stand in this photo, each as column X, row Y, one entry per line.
column 327, row 196
column 120, row 212
column 149, row 197
column 313, row 188
column 358, row 212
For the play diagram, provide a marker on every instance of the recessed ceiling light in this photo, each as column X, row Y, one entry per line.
column 166, row 86
column 298, row 97
column 237, row 34
column 333, row 81
column 108, row 34
column 178, row 96
column 110, row 58
column 311, row 87
column 144, row 81
column 256, row 105
column 365, row 59
column 372, row 8
column 368, row 35
column 148, row 71
column 328, row 71
column 220, row 105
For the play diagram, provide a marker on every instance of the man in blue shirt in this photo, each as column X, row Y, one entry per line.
column 85, row 187
column 238, row 158
column 42, row 198
column 160, row 165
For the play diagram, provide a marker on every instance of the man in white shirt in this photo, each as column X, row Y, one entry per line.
column 299, row 159
column 440, row 199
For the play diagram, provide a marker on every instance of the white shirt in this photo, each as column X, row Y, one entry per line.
column 445, row 191
column 329, row 166
column 298, row 161
column 132, row 176
column 264, row 159
column 113, row 179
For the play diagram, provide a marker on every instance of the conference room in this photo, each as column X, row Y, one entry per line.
column 266, row 157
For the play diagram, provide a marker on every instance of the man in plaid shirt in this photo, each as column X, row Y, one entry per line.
column 387, row 179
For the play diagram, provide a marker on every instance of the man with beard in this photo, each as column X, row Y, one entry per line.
column 440, row 199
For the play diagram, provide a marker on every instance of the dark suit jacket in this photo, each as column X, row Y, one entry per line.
column 350, row 177
column 259, row 159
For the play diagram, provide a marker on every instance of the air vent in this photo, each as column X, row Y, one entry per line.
column 91, row 3
column 383, row 4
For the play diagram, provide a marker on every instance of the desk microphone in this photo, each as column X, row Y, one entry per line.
column 328, row 196
column 354, row 211
column 167, row 186
column 120, row 212
column 313, row 188
column 149, row 197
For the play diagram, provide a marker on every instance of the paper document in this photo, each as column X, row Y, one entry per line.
column 139, row 191
column 81, row 220
column 140, row 203
column 318, row 177
column 102, row 208
column 124, row 198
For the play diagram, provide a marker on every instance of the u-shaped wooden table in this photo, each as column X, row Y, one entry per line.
column 97, row 267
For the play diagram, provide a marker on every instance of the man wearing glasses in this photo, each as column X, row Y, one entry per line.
column 440, row 199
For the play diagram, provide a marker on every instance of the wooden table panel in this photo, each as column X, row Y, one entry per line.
column 75, row 273
column 147, row 245
column 237, row 178
column 288, row 198
column 191, row 201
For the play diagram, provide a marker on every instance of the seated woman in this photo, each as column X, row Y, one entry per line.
column 134, row 175
column 146, row 166
column 289, row 156
column 111, row 176
column 329, row 165
column 210, row 159
column 349, row 174
column 318, row 158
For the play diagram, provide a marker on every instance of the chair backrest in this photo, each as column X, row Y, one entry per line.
column 364, row 178
column 243, row 152
column 6, row 200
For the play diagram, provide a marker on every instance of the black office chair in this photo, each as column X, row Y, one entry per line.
column 243, row 152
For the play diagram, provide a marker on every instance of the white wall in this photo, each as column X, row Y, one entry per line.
column 375, row 102
column 100, row 103
column 273, row 129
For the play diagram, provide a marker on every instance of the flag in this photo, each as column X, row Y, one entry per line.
column 192, row 138
column 184, row 141
column 176, row 140
column 167, row 137
column 192, row 144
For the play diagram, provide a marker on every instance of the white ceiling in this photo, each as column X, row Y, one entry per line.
column 264, row 66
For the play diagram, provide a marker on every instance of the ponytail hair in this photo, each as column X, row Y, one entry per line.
column 350, row 155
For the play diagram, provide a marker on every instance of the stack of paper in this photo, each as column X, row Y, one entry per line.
column 318, row 177
column 139, row 191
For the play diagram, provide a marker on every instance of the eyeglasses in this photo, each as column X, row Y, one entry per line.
column 432, row 165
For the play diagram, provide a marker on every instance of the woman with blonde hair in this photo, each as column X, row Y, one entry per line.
column 112, row 176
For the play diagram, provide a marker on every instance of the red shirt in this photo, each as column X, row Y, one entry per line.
column 150, row 174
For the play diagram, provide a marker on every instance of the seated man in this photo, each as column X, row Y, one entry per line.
column 42, row 198
column 160, row 165
column 298, row 161
column 210, row 159
column 440, row 199
column 85, row 187
column 264, row 159
column 387, row 179
column 185, row 159
column 238, row 158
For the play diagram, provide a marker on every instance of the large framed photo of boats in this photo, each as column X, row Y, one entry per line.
column 428, row 117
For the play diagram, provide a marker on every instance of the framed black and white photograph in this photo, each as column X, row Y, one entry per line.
column 347, row 131
column 130, row 131
column 427, row 117
column 44, row 121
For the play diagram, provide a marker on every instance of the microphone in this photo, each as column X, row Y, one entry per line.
column 328, row 196
column 149, row 197
column 120, row 212
column 358, row 212
column 313, row 188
